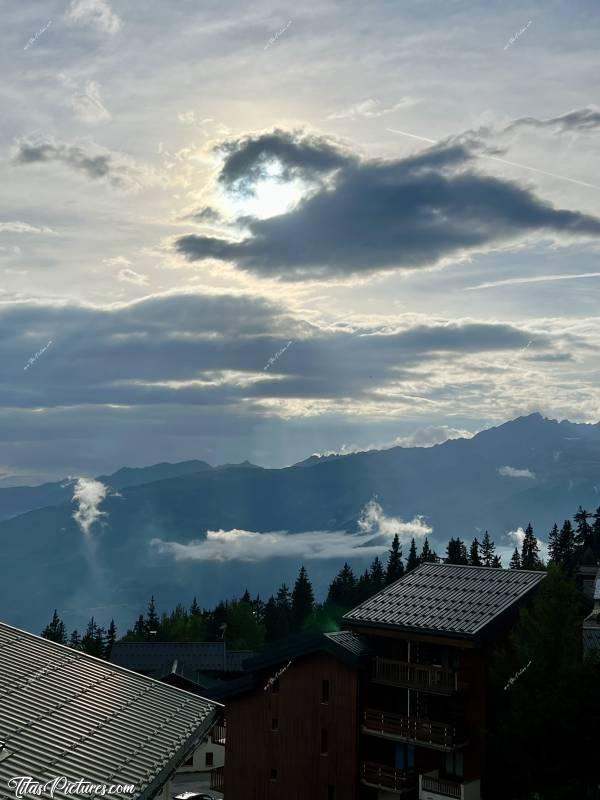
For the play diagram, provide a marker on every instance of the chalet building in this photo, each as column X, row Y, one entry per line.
column 424, row 703
column 69, row 721
column 292, row 721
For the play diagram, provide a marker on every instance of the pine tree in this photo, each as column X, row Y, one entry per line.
column 413, row 560
column 474, row 557
column 427, row 554
column 496, row 562
column 245, row 598
column 364, row 588
column 342, row 590
column 303, row 600
column 596, row 534
column 566, row 549
column 152, row 620
column 75, row 640
column 55, row 631
column 530, row 551
column 111, row 638
column 515, row 561
column 92, row 641
column 278, row 615
column 195, row 609
column 377, row 575
column 139, row 628
column 395, row 565
column 554, row 545
column 456, row 552
column 488, row 550
column 583, row 530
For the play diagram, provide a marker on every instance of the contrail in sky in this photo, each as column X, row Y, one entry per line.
column 538, row 279
column 503, row 161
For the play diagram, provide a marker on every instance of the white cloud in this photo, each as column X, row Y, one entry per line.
column 242, row 545
column 422, row 437
column 131, row 276
column 23, row 227
column 88, row 104
column 88, row 494
column 517, row 537
column 94, row 12
column 372, row 520
column 117, row 261
column 514, row 472
column 373, row 108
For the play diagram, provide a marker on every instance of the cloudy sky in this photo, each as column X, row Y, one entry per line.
column 234, row 231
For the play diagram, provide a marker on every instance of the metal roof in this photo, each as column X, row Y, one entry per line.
column 446, row 599
column 64, row 713
column 150, row 658
column 591, row 638
column 349, row 641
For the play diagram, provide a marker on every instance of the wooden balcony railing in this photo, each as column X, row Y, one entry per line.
column 217, row 779
column 416, row 676
column 442, row 787
column 217, row 734
column 438, row 735
column 397, row 780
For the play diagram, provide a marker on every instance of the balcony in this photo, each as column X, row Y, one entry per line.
column 394, row 780
column 424, row 732
column 415, row 676
column 431, row 787
column 217, row 779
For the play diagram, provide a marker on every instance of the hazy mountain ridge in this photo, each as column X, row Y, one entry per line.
column 528, row 469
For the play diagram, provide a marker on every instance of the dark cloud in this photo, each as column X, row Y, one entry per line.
column 378, row 215
column 580, row 119
column 298, row 155
column 97, row 166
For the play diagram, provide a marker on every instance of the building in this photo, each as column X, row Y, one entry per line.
column 591, row 624
column 424, row 704
column 197, row 660
column 291, row 721
column 67, row 718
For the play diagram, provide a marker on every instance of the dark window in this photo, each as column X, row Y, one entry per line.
column 273, row 774
column 189, row 762
column 275, row 686
column 325, row 691
column 324, row 742
column 274, row 724
column 209, row 760
column 330, row 792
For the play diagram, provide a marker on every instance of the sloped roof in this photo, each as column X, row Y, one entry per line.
column 446, row 599
column 64, row 713
column 151, row 658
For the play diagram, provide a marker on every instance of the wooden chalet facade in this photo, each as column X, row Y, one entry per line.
column 396, row 706
column 424, row 701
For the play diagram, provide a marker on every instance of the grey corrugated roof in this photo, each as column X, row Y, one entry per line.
column 591, row 638
column 349, row 641
column 446, row 598
column 151, row 657
column 64, row 713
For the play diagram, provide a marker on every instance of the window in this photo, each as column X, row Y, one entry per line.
column 189, row 762
column 324, row 742
column 325, row 691
column 274, row 724
column 330, row 792
column 209, row 759
column 274, row 774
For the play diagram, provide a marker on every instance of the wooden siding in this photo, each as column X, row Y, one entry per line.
column 254, row 749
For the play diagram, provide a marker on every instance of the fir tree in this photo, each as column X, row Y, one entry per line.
column 412, row 561
column 395, row 565
column 92, row 641
column 245, row 598
column 530, row 551
column 377, row 576
column 554, row 545
column 427, row 554
column 456, row 552
column 195, row 609
column 596, row 534
column 75, row 640
column 303, row 600
column 488, row 550
column 565, row 549
column 496, row 562
column 515, row 561
column 364, row 588
column 342, row 590
column 55, row 631
column 152, row 621
column 139, row 629
column 474, row 557
column 111, row 638
column 583, row 529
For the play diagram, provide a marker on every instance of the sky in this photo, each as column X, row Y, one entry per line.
column 258, row 231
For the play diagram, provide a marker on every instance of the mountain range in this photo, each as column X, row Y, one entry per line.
column 179, row 530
